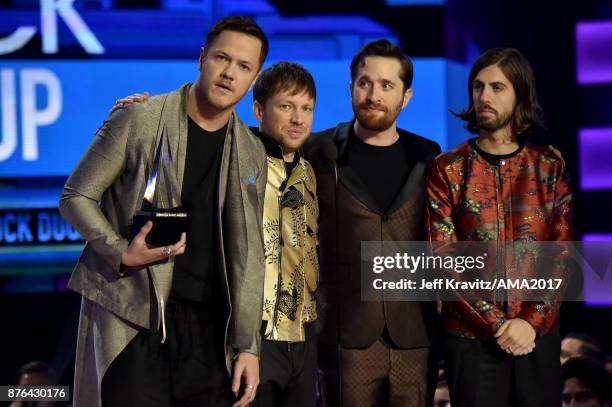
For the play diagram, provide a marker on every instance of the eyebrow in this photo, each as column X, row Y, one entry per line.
column 479, row 82
column 289, row 102
column 242, row 61
column 383, row 80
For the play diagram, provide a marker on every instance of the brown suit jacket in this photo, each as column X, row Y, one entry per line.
column 349, row 215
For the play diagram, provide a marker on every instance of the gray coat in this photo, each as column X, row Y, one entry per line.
column 101, row 197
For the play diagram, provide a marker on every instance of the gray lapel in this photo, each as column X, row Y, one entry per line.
column 173, row 126
column 181, row 137
column 225, row 161
column 172, row 139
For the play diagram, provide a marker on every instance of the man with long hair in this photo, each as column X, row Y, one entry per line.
column 498, row 187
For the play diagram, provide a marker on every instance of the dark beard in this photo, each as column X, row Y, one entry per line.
column 494, row 124
column 377, row 123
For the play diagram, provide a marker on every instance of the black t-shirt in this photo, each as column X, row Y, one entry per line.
column 194, row 276
column 383, row 170
column 289, row 166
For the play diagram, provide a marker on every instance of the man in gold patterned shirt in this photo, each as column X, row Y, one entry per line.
column 284, row 97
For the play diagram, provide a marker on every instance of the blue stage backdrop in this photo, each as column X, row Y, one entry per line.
column 51, row 110
column 65, row 62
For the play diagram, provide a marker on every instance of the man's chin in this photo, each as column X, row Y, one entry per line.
column 222, row 103
column 292, row 145
column 374, row 124
column 490, row 125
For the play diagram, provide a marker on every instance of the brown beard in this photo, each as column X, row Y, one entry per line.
column 376, row 123
column 500, row 121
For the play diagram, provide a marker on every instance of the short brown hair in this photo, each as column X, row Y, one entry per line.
column 283, row 76
column 527, row 112
column 241, row 24
column 384, row 48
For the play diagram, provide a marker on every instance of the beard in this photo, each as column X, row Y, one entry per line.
column 373, row 121
column 495, row 123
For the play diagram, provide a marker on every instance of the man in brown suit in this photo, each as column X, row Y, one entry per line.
column 371, row 188
column 163, row 326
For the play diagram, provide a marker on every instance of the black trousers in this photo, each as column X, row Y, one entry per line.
column 288, row 372
column 480, row 374
column 186, row 371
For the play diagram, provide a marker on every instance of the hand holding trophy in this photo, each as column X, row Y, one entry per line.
column 159, row 228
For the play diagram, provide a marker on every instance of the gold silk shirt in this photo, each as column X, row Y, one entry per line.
column 290, row 242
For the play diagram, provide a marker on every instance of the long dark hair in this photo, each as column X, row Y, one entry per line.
column 527, row 113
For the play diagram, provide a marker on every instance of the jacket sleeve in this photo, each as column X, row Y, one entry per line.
column 101, row 165
column 542, row 315
column 440, row 227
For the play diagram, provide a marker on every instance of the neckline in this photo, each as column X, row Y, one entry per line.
column 494, row 158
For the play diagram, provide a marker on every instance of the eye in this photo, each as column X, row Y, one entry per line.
column 307, row 109
column 498, row 88
column 284, row 107
column 245, row 67
column 477, row 86
column 221, row 57
column 387, row 86
column 362, row 84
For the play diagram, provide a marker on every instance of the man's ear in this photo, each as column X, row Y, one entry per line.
column 258, row 111
column 202, row 58
column 407, row 96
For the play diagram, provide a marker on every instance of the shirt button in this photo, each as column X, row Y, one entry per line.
column 503, row 162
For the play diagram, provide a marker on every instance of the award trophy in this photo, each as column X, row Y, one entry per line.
column 159, row 201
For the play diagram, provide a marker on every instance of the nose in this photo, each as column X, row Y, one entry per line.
column 374, row 93
column 228, row 72
column 484, row 95
column 297, row 117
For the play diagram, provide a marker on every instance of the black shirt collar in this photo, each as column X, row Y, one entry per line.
column 273, row 149
column 494, row 158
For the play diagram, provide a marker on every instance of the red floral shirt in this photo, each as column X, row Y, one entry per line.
column 526, row 197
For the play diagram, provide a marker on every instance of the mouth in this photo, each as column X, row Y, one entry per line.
column 296, row 132
column 226, row 87
column 487, row 111
column 373, row 108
